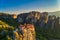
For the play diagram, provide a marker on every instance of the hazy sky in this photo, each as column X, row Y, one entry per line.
column 17, row 6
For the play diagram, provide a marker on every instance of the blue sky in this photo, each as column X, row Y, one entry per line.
column 17, row 6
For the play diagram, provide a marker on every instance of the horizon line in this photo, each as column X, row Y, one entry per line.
column 26, row 12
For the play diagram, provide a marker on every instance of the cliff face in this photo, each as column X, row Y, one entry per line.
column 30, row 17
column 46, row 24
column 33, row 16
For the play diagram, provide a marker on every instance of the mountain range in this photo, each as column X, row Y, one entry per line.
column 57, row 13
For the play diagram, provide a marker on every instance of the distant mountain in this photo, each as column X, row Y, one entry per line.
column 57, row 13
column 8, row 18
